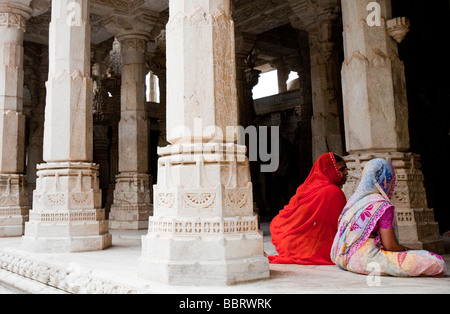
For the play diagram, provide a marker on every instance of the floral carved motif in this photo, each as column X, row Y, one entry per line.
column 56, row 199
column 237, row 198
column 166, row 200
column 81, row 198
column 12, row 20
column 199, row 200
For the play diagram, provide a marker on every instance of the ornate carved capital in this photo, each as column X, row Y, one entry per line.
column 14, row 20
column 310, row 14
column 323, row 39
column 398, row 28
column 19, row 7
column 40, row 6
column 134, row 44
column 125, row 6
column 138, row 24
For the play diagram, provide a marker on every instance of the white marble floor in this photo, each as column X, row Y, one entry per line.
column 118, row 264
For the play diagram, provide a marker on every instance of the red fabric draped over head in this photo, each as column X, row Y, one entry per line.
column 303, row 232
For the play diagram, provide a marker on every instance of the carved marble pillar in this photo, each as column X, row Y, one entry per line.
column 132, row 195
column 133, row 192
column 376, row 119
column 203, row 230
column 67, row 214
column 318, row 19
column 326, row 88
column 14, row 206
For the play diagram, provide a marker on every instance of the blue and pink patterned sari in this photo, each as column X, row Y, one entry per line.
column 354, row 250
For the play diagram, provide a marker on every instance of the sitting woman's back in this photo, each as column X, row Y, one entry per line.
column 304, row 230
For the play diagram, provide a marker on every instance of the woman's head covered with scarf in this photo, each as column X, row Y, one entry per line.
column 304, row 229
column 378, row 177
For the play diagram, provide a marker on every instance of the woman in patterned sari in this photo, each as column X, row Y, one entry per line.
column 366, row 236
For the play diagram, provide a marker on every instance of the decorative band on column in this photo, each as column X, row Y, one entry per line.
column 184, row 226
column 200, row 17
column 13, row 20
column 133, row 44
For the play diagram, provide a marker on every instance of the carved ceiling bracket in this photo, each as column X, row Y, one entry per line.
column 309, row 14
column 258, row 16
column 139, row 24
column 123, row 6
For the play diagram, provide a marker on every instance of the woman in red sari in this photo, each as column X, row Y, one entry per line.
column 303, row 232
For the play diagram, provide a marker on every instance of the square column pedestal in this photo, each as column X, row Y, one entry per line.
column 132, row 202
column 67, row 214
column 203, row 231
column 14, row 205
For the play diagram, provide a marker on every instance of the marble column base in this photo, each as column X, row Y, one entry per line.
column 203, row 251
column 14, row 208
column 129, row 217
column 203, row 230
column 67, row 214
column 132, row 202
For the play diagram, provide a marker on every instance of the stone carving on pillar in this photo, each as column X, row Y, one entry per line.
column 204, row 230
column 133, row 192
column 67, row 214
column 376, row 120
column 398, row 28
column 14, row 204
column 319, row 18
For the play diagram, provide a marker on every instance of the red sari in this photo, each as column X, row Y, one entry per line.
column 303, row 232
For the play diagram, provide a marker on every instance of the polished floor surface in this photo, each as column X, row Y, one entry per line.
column 118, row 264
